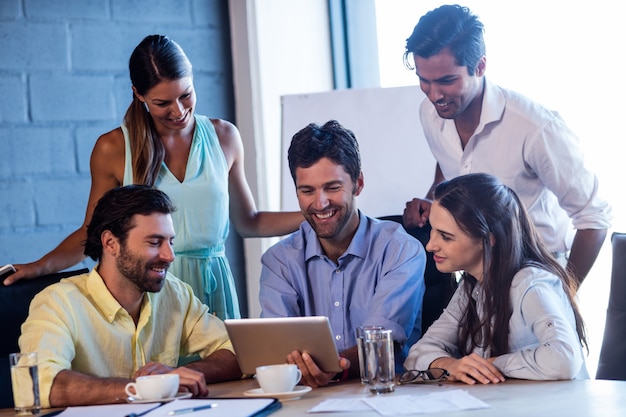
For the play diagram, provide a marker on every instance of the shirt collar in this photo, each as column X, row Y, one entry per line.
column 104, row 301
column 493, row 105
column 492, row 108
column 101, row 297
column 358, row 246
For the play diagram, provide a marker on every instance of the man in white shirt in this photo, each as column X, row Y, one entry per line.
column 472, row 125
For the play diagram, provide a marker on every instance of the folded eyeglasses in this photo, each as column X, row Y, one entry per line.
column 428, row 376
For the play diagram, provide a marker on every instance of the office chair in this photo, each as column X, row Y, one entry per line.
column 439, row 286
column 14, row 303
column 612, row 361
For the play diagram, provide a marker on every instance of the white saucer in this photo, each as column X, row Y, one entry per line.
column 179, row 396
column 298, row 391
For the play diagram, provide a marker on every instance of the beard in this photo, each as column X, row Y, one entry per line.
column 329, row 230
column 139, row 272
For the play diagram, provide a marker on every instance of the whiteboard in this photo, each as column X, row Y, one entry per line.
column 396, row 160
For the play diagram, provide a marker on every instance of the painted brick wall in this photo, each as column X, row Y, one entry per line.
column 64, row 81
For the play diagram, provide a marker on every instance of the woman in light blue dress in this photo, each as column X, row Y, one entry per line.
column 197, row 161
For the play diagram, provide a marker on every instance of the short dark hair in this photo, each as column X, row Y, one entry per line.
column 115, row 211
column 448, row 26
column 332, row 141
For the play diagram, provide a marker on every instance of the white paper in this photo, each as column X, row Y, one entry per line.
column 109, row 410
column 340, row 404
column 389, row 405
column 453, row 400
column 230, row 407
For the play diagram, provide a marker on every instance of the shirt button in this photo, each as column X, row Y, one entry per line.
column 337, row 303
column 337, row 271
column 338, row 337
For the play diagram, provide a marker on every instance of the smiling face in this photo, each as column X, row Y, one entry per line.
column 171, row 104
column 453, row 250
column 326, row 195
column 146, row 254
column 449, row 86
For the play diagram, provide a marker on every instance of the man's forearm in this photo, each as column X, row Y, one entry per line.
column 71, row 388
column 585, row 249
column 219, row 366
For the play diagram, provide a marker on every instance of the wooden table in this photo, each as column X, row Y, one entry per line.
column 513, row 398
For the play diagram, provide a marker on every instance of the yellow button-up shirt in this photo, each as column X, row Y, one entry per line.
column 77, row 324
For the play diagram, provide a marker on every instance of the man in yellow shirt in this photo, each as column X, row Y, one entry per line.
column 128, row 317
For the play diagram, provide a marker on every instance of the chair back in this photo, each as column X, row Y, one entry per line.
column 612, row 361
column 439, row 286
column 14, row 303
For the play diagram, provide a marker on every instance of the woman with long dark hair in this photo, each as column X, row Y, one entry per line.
column 514, row 313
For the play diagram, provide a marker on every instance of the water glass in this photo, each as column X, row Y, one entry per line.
column 379, row 360
column 25, row 383
column 359, row 343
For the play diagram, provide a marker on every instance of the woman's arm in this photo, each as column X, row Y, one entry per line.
column 243, row 212
column 442, row 337
column 107, row 172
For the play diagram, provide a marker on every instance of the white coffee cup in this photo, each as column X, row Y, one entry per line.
column 153, row 387
column 278, row 378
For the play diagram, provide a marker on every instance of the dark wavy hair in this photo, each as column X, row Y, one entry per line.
column 115, row 212
column 448, row 26
column 483, row 208
column 332, row 141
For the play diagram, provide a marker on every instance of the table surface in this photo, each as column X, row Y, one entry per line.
column 581, row 398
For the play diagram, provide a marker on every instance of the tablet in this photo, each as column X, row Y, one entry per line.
column 268, row 341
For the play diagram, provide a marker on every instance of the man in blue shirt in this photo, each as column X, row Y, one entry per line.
column 354, row 269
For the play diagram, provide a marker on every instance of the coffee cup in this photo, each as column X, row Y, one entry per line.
column 153, row 387
column 278, row 378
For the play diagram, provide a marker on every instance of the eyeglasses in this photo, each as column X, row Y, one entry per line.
column 432, row 375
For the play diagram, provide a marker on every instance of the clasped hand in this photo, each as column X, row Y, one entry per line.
column 416, row 213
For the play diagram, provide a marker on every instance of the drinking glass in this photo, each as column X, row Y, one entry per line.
column 25, row 383
column 379, row 360
column 359, row 343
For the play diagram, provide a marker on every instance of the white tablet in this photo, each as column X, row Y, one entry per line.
column 268, row 341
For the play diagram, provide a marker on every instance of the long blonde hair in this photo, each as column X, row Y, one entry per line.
column 157, row 58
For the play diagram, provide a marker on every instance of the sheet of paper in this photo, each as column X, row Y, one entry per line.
column 454, row 400
column 231, row 407
column 108, row 410
column 340, row 404
column 389, row 405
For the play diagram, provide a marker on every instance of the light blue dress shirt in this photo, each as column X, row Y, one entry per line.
column 379, row 280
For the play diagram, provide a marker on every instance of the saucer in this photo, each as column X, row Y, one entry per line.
column 298, row 391
column 179, row 396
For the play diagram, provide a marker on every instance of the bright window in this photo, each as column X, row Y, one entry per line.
column 563, row 54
